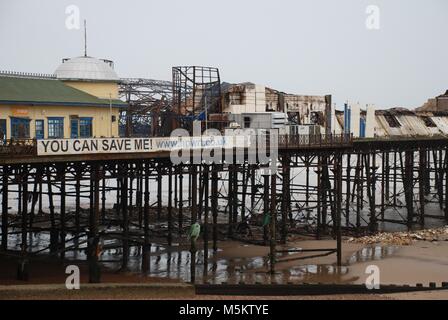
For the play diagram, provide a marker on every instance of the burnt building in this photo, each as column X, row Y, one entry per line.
column 439, row 103
column 252, row 98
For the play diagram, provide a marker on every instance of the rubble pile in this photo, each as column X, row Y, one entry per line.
column 404, row 238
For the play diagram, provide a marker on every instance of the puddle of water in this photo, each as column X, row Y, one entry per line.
column 372, row 253
column 174, row 262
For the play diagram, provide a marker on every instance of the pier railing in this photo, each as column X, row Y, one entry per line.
column 15, row 147
column 315, row 141
column 28, row 147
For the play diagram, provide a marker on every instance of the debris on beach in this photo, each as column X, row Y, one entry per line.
column 404, row 238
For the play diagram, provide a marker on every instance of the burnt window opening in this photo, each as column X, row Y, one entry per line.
column 246, row 122
column 429, row 122
column 294, row 118
column 234, row 98
column 392, row 121
column 317, row 118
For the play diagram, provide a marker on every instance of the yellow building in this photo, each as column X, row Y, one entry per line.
column 79, row 101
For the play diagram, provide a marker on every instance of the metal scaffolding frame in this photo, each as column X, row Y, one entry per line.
column 156, row 107
column 196, row 93
column 149, row 103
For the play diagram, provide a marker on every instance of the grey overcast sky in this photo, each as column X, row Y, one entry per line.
column 304, row 47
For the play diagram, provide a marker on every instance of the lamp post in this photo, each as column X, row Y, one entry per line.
column 110, row 114
column 206, row 115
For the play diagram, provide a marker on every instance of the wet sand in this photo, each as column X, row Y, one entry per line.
column 427, row 295
column 290, row 267
column 52, row 271
column 420, row 262
column 133, row 294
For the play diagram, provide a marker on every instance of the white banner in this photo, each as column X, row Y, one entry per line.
column 53, row 147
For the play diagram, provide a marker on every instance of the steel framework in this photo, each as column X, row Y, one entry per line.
column 156, row 107
column 149, row 104
column 196, row 93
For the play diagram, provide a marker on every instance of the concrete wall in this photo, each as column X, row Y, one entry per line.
column 370, row 121
column 100, row 126
column 303, row 105
column 252, row 99
column 356, row 119
column 442, row 103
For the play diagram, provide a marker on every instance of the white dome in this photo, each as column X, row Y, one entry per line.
column 85, row 68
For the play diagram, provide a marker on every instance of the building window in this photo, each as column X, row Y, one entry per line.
column 246, row 122
column 20, row 128
column 74, row 128
column 56, row 128
column 317, row 117
column 85, row 127
column 39, row 129
column 3, row 129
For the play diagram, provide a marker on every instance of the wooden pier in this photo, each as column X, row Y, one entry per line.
column 325, row 186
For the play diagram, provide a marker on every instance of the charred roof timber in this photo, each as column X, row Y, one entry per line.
column 429, row 122
column 392, row 121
